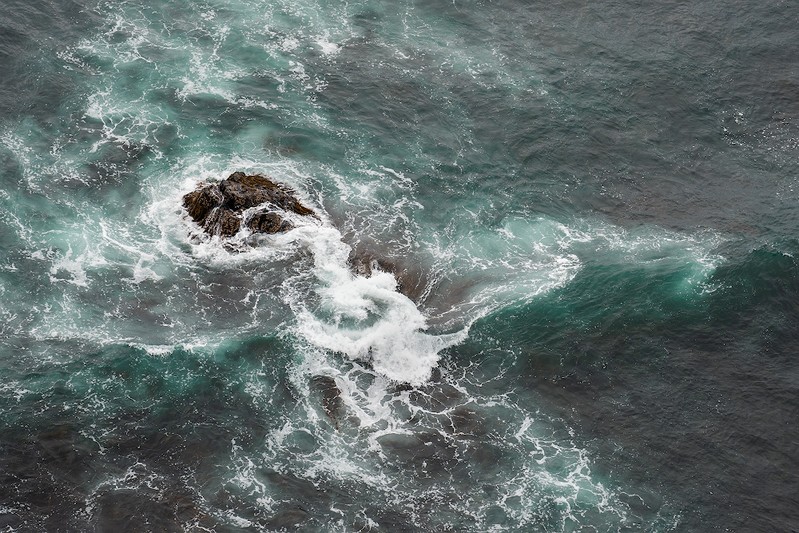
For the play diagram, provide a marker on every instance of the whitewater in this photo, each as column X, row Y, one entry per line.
column 549, row 286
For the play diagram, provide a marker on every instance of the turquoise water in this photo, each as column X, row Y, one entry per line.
column 585, row 218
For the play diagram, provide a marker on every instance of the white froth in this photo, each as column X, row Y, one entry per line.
column 155, row 350
column 74, row 265
column 327, row 48
column 365, row 318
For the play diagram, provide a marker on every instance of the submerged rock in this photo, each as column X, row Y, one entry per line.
column 410, row 280
column 364, row 263
column 221, row 208
column 332, row 403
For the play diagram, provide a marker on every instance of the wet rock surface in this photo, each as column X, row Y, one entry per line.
column 329, row 394
column 221, row 208
column 410, row 279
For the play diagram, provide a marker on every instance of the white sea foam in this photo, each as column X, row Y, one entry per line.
column 157, row 350
column 364, row 317
column 328, row 48
column 73, row 266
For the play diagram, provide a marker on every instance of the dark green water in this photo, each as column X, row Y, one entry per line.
column 591, row 212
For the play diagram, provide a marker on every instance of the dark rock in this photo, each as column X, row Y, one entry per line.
column 267, row 223
column 332, row 404
column 219, row 207
column 241, row 191
column 410, row 279
column 201, row 202
column 364, row 264
column 222, row 222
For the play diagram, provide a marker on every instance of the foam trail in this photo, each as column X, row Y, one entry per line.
column 365, row 318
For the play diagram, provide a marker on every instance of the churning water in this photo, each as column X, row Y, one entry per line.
column 581, row 221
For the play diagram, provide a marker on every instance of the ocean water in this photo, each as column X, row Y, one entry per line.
column 583, row 218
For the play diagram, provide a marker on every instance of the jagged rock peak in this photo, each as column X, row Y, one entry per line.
column 219, row 208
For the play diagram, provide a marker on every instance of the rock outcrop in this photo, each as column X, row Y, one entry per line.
column 410, row 278
column 221, row 208
column 329, row 396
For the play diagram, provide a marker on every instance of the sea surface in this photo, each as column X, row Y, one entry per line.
column 583, row 219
